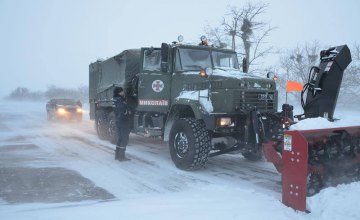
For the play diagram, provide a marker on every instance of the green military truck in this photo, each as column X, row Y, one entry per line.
column 193, row 97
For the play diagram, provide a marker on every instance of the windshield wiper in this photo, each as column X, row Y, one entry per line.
column 190, row 66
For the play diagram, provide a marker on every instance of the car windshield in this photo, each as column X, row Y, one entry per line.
column 65, row 102
column 192, row 59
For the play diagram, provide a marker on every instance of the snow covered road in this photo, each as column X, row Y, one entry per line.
column 53, row 170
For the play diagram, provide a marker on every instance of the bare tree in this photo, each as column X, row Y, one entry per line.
column 243, row 23
column 350, row 88
column 80, row 93
column 217, row 35
column 296, row 64
column 20, row 93
column 24, row 94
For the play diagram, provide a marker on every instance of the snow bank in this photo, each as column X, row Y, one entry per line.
column 336, row 203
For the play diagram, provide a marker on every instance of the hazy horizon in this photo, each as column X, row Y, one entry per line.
column 52, row 42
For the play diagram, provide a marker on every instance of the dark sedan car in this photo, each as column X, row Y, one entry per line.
column 66, row 109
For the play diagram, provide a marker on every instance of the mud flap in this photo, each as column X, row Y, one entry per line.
column 294, row 170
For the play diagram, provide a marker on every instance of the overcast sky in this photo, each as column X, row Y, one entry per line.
column 52, row 42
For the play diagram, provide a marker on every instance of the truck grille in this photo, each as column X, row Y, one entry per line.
column 264, row 101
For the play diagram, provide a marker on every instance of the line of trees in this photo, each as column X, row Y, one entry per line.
column 24, row 94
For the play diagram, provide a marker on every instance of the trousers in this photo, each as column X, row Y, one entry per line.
column 123, row 137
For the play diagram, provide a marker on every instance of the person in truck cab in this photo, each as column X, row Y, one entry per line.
column 204, row 41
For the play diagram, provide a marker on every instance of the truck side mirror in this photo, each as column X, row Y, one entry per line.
column 164, row 57
column 164, row 52
column 244, row 65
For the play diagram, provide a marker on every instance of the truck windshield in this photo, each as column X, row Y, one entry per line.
column 192, row 59
column 225, row 60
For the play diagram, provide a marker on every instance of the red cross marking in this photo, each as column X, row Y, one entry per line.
column 158, row 85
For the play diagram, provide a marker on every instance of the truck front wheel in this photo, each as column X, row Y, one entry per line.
column 189, row 144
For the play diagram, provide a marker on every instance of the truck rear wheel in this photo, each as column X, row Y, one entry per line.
column 189, row 144
column 113, row 135
column 101, row 125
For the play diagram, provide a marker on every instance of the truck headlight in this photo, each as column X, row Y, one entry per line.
column 61, row 111
column 203, row 73
column 223, row 122
column 79, row 110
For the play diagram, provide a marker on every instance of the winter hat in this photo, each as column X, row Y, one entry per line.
column 117, row 90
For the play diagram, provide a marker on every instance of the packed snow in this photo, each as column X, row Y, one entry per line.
column 201, row 95
column 225, row 72
column 233, row 73
column 148, row 186
column 344, row 119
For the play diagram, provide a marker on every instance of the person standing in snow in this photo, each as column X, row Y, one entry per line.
column 122, row 123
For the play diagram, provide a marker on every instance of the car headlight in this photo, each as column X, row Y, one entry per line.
column 61, row 111
column 223, row 122
column 79, row 110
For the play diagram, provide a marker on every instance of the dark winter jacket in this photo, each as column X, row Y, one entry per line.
column 121, row 111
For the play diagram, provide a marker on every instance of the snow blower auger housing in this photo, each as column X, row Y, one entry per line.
column 311, row 159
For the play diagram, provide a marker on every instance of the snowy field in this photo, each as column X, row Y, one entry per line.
column 57, row 170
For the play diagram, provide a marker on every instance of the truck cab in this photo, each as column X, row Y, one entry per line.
column 202, row 82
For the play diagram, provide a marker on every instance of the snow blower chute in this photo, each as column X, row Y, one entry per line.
column 311, row 159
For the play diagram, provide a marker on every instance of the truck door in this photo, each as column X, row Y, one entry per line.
column 154, row 85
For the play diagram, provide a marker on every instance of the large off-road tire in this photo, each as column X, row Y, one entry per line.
column 189, row 144
column 112, row 130
column 101, row 125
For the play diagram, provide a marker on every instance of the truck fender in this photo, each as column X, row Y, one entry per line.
column 182, row 108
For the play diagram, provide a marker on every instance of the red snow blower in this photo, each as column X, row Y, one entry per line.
column 311, row 159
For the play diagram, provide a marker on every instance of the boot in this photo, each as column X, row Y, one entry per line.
column 120, row 154
column 117, row 153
